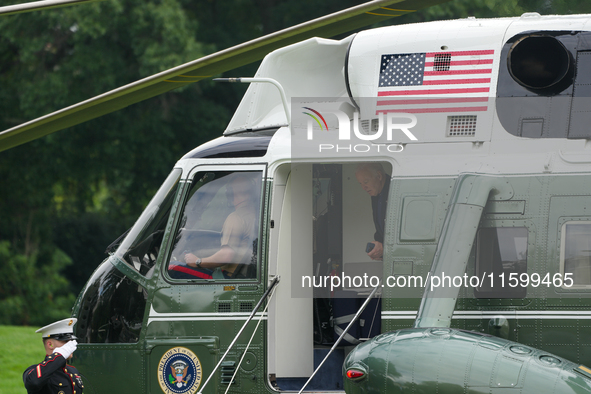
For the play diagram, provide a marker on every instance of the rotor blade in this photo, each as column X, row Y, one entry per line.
column 39, row 5
column 207, row 66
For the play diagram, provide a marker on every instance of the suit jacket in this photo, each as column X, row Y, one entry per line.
column 379, row 204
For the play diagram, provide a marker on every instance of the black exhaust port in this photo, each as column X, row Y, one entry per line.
column 541, row 64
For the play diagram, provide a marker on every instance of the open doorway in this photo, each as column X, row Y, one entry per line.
column 326, row 223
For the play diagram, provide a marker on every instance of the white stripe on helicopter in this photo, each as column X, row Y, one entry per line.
column 205, row 316
column 400, row 315
column 389, row 315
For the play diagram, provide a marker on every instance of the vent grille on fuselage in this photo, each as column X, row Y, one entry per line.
column 442, row 62
column 461, row 126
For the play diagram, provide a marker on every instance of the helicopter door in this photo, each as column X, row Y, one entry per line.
column 210, row 284
column 290, row 315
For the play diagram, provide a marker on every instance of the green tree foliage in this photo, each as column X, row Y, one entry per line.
column 76, row 190
column 82, row 187
column 32, row 289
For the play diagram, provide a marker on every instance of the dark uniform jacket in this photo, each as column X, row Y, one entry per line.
column 53, row 376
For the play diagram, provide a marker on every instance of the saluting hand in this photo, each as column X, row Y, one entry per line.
column 67, row 349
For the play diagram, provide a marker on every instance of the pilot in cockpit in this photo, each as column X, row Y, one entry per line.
column 235, row 248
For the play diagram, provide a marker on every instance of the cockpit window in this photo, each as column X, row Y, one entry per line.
column 217, row 236
column 141, row 247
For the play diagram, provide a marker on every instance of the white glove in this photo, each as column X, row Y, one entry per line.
column 67, row 350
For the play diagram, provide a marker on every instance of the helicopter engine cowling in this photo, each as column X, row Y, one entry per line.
column 443, row 360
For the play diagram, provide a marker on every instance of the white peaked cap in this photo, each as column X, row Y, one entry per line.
column 60, row 330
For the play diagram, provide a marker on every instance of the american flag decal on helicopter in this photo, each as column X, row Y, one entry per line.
column 451, row 81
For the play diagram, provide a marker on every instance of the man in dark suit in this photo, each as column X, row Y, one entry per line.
column 376, row 183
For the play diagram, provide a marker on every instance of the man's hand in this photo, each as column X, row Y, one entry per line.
column 191, row 260
column 67, row 349
column 377, row 252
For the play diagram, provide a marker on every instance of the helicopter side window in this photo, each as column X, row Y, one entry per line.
column 217, row 237
column 501, row 252
column 141, row 246
column 575, row 253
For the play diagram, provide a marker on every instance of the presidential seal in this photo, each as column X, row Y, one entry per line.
column 179, row 371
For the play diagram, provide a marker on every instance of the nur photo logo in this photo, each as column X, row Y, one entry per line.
column 387, row 124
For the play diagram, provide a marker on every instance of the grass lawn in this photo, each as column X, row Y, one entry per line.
column 21, row 347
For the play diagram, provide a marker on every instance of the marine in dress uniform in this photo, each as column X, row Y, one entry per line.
column 54, row 375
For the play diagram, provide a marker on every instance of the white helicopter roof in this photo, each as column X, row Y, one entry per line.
column 316, row 67
column 354, row 70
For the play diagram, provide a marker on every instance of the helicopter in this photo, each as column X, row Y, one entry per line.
column 480, row 126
